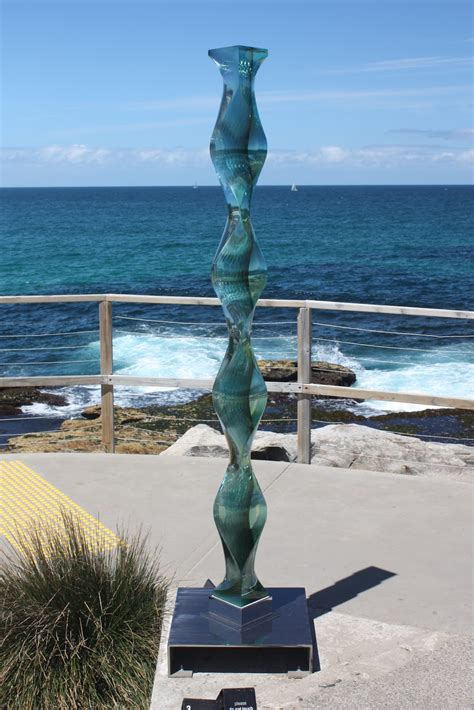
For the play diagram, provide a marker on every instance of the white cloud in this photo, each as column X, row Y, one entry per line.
column 404, row 64
column 383, row 156
column 458, row 134
column 82, row 154
column 466, row 156
column 178, row 156
column 76, row 153
column 325, row 154
column 332, row 154
column 272, row 97
column 268, row 98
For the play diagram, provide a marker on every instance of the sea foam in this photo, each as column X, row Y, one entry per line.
column 444, row 371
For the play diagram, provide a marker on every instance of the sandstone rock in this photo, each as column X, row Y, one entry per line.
column 84, row 435
column 361, row 447
column 122, row 414
column 343, row 446
column 323, row 373
column 151, row 429
column 202, row 440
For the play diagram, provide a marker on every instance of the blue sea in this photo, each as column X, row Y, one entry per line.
column 389, row 245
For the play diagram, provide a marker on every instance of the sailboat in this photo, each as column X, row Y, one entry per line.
column 195, row 186
column 294, row 188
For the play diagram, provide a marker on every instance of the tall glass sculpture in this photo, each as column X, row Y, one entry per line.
column 238, row 151
column 239, row 626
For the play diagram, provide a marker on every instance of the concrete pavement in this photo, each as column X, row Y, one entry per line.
column 380, row 550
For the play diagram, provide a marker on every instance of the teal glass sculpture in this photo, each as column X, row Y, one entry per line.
column 238, row 151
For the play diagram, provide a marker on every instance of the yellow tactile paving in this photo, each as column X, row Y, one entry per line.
column 27, row 498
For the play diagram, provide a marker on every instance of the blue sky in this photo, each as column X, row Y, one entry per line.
column 121, row 92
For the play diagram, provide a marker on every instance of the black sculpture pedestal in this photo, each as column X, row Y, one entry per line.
column 280, row 640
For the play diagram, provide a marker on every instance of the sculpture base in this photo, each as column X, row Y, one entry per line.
column 228, row 613
column 201, row 642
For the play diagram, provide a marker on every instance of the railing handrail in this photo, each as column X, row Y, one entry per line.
column 303, row 387
column 206, row 384
column 263, row 302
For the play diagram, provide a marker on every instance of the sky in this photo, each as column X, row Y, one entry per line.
column 122, row 92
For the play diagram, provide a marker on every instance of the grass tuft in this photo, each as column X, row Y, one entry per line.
column 79, row 623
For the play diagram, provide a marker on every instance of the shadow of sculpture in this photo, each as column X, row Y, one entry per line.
column 242, row 646
column 341, row 591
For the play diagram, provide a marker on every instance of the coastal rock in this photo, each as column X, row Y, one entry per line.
column 322, row 373
column 344, row 446
column 202, row 440
column 82, row 436
column 92, row 412
column 13, row 398
column 122, row 415
column 149, row 430
column 361, row 447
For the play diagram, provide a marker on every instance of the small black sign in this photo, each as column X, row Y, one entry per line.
column 228, row 699
column 238, row 699
column 194, row 704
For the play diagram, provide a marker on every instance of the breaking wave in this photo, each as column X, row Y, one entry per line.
column 444, row 371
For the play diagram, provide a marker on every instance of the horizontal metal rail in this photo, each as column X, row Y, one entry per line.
column 199, row 384
column 263, row 302
column 410, row 397
column 302, row 388
column 51, row 381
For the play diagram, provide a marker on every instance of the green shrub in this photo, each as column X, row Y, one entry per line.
column 79, row 623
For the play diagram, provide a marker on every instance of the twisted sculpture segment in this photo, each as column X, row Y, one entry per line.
column 238, row 151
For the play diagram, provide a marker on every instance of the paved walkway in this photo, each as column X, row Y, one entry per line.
column 379, row 548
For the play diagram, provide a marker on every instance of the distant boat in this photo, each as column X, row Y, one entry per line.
column 195, row 186
column 294, row 188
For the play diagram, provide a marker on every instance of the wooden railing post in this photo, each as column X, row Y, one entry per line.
column 106, row 367
column 304, row 377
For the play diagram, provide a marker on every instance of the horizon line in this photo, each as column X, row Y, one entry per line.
column 218, row 187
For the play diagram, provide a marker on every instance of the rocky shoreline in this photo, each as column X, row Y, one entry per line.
column 348, row 446
column 12, row 399
column 154, row 428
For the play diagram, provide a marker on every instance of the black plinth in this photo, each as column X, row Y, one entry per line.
column 281, row 642
column 240, row 616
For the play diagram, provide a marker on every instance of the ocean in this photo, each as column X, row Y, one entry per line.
column 400, row 245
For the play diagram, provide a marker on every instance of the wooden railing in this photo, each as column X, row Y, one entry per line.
column 303, row 387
